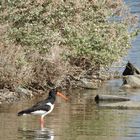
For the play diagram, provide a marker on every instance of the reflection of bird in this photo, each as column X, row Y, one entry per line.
column 44, row 107
column 43, row 134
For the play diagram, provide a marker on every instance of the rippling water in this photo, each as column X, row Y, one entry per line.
column 77, row 119
column 80, row 118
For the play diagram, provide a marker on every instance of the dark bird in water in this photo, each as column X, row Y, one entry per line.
column 44, row 107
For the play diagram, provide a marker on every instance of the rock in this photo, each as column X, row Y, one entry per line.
column 89, row 84
column 23, row 92
column 110, row 98
column 131, row 76
column 131, row 81
column 78, row 82
column 130, row 69
column 122, row 105
column 116, row 102
column 7, row 96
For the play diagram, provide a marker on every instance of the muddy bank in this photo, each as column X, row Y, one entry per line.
column 84, row 81
column 7, row 96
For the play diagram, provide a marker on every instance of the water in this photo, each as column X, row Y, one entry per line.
column 79, row 118
column 134, row 53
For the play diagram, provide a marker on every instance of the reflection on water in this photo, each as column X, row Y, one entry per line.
column 41, row 134
column 78, row 119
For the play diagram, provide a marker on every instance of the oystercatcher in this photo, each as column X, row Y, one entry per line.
column 44, row 107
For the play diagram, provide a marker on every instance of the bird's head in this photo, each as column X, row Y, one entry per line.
column 54, row 92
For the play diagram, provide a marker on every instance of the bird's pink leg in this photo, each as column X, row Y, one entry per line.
column 42, row 122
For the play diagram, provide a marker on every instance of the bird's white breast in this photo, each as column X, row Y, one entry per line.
column 43, row 112
column 52, row 107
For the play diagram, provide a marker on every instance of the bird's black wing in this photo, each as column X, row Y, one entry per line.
column 42, row 105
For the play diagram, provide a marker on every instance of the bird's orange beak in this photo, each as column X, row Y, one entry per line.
column 61, row 95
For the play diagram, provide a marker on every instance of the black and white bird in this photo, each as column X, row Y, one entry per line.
column 44, row 107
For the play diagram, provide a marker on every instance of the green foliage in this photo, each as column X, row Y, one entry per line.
column 81, row 28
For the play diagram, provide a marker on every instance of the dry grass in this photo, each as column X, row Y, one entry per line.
column 18, row 68
column 14, row 69
column 59, row 40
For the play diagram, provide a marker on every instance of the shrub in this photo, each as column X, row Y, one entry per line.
column 89, row 33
